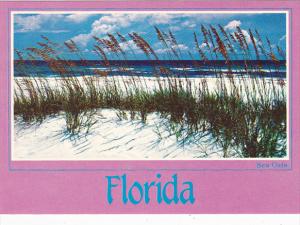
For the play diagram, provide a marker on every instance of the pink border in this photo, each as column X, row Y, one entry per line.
column 78, row 187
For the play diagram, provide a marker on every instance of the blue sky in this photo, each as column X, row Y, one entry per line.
column 59, row 28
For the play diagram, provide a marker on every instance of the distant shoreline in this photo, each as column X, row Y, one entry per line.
column 164, row 62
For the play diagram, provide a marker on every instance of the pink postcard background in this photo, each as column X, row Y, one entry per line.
column 231, row 186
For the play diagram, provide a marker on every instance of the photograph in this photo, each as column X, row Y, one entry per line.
column 149, row 85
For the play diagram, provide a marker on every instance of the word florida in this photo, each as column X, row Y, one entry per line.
column 135, row 192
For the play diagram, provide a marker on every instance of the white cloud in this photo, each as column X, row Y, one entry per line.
column 180, row 47
column 54, row 31
column 28, row 23
column 161, row 18
column 39, row 22
column 247, row 36
column 232, row 25
column 43, row 31
column 82, row 39
column 175, row 28
column 114, row 22
column 161, row 51
column 77, row 18
column 122, row 20
column 100, row 29
column 34, row 22
column 203, row 46
column 108, row 24
column 188, row 24
column 129, row 45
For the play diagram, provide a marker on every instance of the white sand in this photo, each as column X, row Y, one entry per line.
column 150, row 83
column 111, row 138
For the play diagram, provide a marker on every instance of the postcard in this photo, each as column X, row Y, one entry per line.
column 149, row 107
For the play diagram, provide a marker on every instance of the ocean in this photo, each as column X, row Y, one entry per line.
column 149, row 68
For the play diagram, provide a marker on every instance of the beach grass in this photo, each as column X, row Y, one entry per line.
column 245, row 113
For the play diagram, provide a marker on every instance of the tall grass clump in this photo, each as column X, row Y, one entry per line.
column 244, row 115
